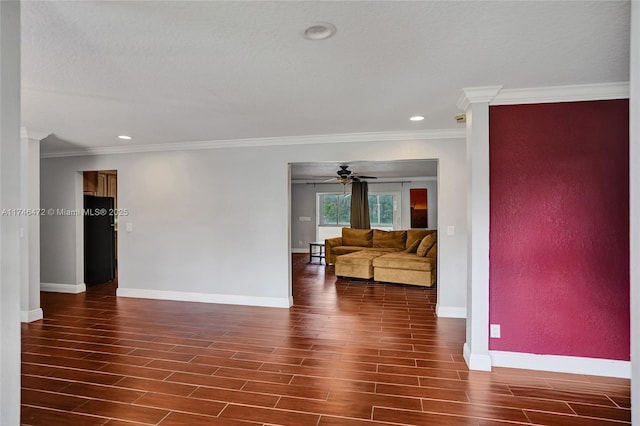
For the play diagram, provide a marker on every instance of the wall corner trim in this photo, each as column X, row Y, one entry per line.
column 224, row 299
column 562, row 364
column 552, row 94
column 451, row 311
column 479, row 362
column 32, row 315
column 63, row 288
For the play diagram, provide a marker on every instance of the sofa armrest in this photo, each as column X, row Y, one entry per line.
column 330, row 258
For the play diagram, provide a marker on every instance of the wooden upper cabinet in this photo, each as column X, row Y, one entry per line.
column 102, row 183
column 112, row 188
column 90, row 182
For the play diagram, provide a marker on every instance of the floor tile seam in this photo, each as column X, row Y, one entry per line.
column 58, row 367
column 610, row 407
column 134, row 375
column 50, row 358
column 569, row 401
column 185, row 411
column 495, row 405
column 579, row 416
column 106, row 399
column 458, row 416
column 58, row 410
column 335, row 416
column 287, row 410
column 551, row 389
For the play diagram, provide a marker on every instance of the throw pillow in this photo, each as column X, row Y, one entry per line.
column 433, row 251
column 414, row 246
column 426, row 244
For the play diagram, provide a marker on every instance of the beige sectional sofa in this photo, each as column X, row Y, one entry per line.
column 404, row 257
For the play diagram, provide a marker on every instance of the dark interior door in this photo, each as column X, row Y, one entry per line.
column 99, row 261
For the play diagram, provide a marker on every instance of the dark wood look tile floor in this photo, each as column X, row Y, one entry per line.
column 351, row 353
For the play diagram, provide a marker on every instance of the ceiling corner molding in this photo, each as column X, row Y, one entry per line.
column 470, row 95
column 265, row 142
column 574, row 93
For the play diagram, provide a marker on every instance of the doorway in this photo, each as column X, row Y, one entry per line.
column 100, row 206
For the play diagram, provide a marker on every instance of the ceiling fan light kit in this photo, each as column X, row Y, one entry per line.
column 345, row 176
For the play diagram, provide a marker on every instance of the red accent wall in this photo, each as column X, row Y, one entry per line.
column 559, row 238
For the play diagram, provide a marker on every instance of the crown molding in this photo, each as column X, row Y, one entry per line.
column 471, row 95
column 574, row 93
column 265, row 142
column 32, row 134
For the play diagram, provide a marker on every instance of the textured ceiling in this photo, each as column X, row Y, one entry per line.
column 169, row 72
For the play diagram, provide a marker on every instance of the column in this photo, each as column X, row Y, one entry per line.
column 475, row 103
column 30, row 227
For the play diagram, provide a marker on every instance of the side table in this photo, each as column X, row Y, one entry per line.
column 316, row 253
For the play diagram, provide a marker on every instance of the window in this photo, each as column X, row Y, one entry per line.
column 335, row 210
column 381, row 210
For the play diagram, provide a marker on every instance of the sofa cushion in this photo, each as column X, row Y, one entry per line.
column 389, row 239
column 426, row 244
column 340, row 250
column 417, row 235
column 404, row 260
column 433, row 251
column 414, row 246
column 357, row 237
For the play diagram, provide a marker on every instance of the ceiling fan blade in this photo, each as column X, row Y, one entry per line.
column 365, row 177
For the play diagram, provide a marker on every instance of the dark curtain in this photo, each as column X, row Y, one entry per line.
column 360, row 205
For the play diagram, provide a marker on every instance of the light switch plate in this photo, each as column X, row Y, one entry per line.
column 129, row 226
column 451, row 230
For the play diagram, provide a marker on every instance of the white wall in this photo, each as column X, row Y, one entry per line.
column 212, row 224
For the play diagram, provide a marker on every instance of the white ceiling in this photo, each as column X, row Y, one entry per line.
column 181, row 71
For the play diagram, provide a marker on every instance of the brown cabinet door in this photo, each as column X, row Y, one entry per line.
column 102, row 185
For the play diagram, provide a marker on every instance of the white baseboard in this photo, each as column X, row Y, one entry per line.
column 562, row 364
column 32, row 315
column 480, row 362
column 63, row 288
column 300, row 250
column 450, row 311
column 226, row 299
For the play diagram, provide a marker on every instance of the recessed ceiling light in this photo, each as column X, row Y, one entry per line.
column 320, row 31
column 125, row 137
column 416, row 118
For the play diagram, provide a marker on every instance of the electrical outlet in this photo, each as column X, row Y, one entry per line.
column 451, row 230
column 300, row 244
column 494, row 331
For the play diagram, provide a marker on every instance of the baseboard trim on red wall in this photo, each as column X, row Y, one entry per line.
column 562, row 364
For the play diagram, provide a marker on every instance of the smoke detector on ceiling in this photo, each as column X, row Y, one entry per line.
column 320, row 31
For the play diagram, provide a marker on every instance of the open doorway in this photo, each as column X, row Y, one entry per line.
column 320, row 199
column 100, row 206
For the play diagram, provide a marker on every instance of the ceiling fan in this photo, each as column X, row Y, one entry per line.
column 345, row 176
